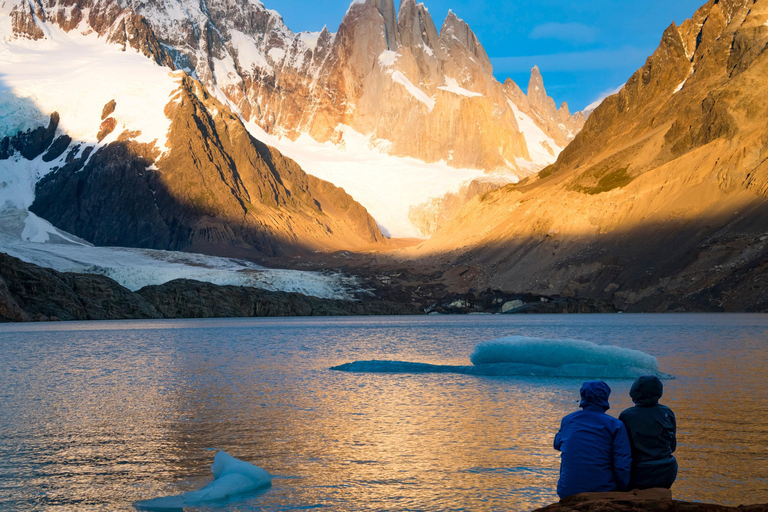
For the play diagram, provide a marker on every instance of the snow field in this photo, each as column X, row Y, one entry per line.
column 76, row 75
column 537, row 141
column 386, row 185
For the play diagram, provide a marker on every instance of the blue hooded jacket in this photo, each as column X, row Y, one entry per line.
column 596, row 455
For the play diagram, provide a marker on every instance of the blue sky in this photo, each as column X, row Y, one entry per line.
column 583, row 48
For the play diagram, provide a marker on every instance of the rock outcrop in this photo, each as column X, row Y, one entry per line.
column 650, row 500
column 659, row 203
column 32, row 293
column 183, row 298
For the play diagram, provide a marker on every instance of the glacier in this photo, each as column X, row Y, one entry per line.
column 387, row 186
column 26, row 236
column 524, row 356
column 231, row 477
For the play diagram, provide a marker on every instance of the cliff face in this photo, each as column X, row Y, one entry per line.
column 385, row 73
column 659, row 202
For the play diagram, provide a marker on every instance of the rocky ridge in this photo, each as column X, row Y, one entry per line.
column 387, row 73
column 659, row 202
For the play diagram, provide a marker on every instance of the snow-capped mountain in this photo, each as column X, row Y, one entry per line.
column 366, row 108
column 386, row 74
column 108, row 146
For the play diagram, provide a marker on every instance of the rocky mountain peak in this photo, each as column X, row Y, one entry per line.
column 416, row 26
column 361, row 10
column 391, row 32
column 537, row 94
column 456, row 30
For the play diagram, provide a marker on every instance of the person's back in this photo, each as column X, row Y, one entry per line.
column 652, row 430
column 595, row 448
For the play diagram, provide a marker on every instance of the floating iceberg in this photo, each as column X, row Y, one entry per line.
column 231, row 477
column 536, row 357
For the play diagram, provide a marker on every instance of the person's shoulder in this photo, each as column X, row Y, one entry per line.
column 574, row 414
column 613, row 422
column 666, row 410
column 628, row 412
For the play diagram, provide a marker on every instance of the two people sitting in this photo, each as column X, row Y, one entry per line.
column 602, row 454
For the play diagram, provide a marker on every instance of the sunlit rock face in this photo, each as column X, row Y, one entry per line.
column 659, row 203
column 388, row 73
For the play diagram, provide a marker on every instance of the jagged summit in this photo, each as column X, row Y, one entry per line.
column 294, row 83
column 458, row 29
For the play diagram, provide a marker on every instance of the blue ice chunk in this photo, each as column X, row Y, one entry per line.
column 559, row 352
column 231, row 477
column 533, row 357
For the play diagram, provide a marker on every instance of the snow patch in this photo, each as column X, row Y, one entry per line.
column 399, row 77
column 592, row 106
column 682, row 84
column 248, row 54
column 542, row 149
column 387, row 58
column 225, row 73
column 451, row 85
column 310, row 39
column 276, row 54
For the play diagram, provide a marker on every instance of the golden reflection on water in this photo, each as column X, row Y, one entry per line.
column 95, row 419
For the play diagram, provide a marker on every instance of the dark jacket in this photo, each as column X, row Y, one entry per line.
column 595, row 448
column 652, row 430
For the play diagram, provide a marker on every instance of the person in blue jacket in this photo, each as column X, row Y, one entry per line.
column 652, row 430
column 595, row 451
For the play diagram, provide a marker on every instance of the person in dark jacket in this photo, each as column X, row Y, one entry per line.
column 596, row 455
column 652, row 430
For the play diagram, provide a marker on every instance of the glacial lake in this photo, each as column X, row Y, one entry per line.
column 99, row 415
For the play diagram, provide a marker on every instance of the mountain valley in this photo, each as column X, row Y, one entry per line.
column 216, row 130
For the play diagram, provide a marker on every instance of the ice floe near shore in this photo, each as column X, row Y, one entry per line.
column 231, row 477
column 534, row 357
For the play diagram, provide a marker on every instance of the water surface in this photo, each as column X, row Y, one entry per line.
column 98, row 415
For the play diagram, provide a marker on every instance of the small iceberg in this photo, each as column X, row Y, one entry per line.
column 535, row 357
column 231, row 477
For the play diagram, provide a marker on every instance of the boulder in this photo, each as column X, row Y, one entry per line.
column 651, row 500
